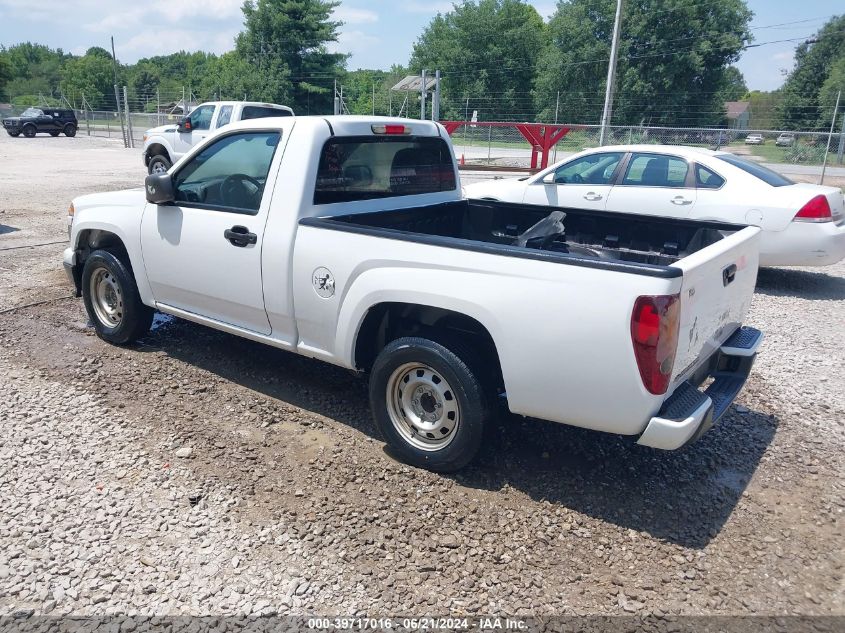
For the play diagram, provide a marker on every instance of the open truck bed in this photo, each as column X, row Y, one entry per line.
column 646, row 245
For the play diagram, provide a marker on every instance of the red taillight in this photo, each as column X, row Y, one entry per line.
column 654, row 332
column 816, row 210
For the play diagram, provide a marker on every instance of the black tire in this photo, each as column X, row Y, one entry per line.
column 158, row 163
column 29, row 131
column 70, row 130
column 134, row 317
column 401, row 357
column 54, row 133
column 15, row 134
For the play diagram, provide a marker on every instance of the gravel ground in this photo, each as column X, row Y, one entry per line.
column 199, row 473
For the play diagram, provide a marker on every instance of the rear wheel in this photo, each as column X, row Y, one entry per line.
column 112, row 300
column 29, row 131
column 70, row 129
column 159, row 164
column 429, row 404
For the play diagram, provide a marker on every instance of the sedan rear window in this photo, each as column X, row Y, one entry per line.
column 365, row 168
column 765, row 174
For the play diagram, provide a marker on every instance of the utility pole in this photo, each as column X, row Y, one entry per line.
column 830, row 136
column 611, row 74
column 374, row 98
column 435, row 107
column 117, row 94
column 422, row 96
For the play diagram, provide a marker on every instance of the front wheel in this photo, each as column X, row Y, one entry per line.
column 112, row 300
column 159, row 165
column 15, row 134
column 429, row 404
column 29, row 131
column 70, row 130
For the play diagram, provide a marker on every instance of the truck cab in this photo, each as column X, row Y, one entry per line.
column 166, row 144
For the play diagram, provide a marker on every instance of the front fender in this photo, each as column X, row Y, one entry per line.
column 128, row 231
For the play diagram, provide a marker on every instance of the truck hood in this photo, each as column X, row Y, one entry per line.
column 161, row 129
column 135, row 198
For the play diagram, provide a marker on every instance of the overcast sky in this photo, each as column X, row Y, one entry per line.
column 377, row 33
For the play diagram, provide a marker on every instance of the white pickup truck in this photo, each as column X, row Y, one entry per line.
column 346, row 239
column 166, row 144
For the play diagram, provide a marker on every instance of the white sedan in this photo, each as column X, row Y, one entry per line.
column 803, row 225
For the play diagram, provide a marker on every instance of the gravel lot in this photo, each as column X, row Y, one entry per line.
column 198, row 473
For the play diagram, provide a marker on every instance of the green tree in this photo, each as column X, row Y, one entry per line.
column 673, row 58
column 733, row 85
column 145, row 81
column 92, row 76
column 815, row 61
column 5, row 70
column 285, row 41
column 486, row 51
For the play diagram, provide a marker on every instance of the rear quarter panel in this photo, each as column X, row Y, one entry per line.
column 562, row 332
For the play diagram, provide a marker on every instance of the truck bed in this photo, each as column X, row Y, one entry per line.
column 642, row 244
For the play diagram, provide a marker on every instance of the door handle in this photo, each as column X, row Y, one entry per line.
column 680, row 200
column 240, row 236
column 592, row 196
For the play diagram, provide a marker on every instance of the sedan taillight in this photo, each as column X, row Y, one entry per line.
column 816, row 210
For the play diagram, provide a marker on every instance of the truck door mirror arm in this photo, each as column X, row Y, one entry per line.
column 159, row 188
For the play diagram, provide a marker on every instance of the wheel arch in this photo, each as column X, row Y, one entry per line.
column 157, row 148
column 389, row 320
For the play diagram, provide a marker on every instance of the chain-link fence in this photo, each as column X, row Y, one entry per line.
column 507, row 147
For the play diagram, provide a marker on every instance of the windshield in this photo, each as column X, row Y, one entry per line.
column 32, row 112
column 765, row 174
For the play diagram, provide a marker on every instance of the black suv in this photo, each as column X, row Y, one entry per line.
column 54, row 121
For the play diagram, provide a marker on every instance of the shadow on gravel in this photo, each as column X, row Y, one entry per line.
column 5, row 228
column 785, row 282
column 684, row 497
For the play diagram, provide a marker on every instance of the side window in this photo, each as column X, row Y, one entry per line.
column 595, row 169
column 228, row 175
column 655, row 170
column 706, row 179
column 201, row 117
column 225, row 116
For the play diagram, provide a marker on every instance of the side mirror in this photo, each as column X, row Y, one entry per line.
column 159, row 188
column 185, row 124
column 549, row 179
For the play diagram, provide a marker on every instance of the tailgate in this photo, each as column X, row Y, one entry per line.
column 717, row 288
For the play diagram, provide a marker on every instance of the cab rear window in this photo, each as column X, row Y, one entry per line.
column 366, row 168
column 261, row 112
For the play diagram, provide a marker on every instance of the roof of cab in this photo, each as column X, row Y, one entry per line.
column 342, row 125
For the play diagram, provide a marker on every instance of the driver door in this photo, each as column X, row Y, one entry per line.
column 582, row 183
column 202, row 253
column 200, row 120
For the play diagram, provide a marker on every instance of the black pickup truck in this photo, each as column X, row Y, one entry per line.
column 54, row 121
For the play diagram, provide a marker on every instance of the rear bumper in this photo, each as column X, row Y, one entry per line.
column 689, row 412
column 804, row 244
